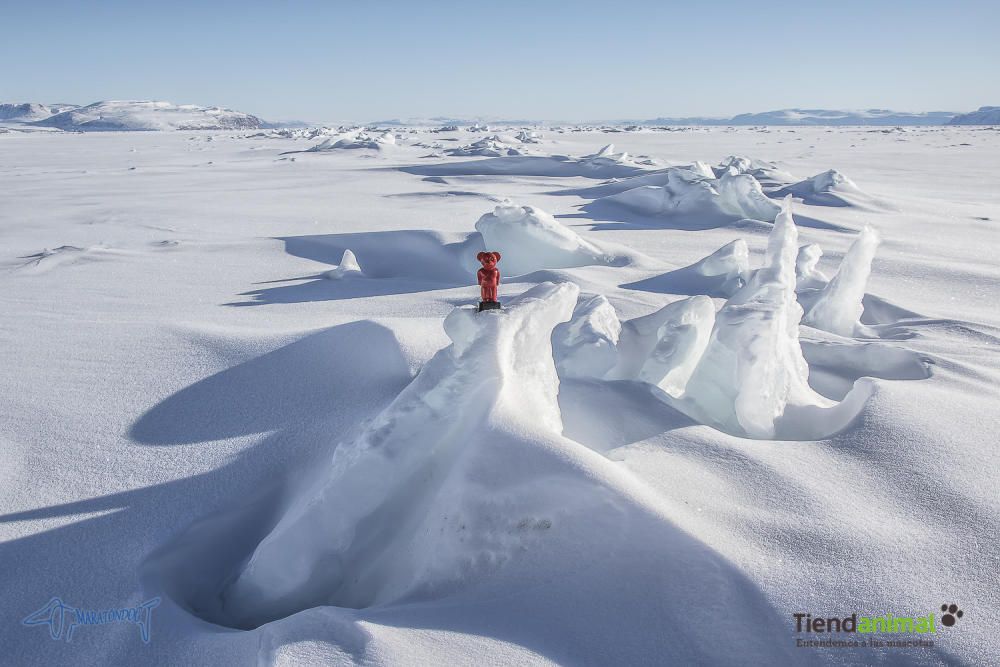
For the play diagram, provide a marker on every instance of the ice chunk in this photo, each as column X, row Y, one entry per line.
column 358, row 140
column 530, row 239
column 806, row 273
column 586, row 346
column 753, row 365
column 640, row 336
column 494, row 145
column 347, row 268
column 687, row 192
column 742, row 196
column 374, row 527
column 838, row 307
column 682, row 339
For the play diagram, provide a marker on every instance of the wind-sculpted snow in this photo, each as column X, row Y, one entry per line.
column 838, row 306
column 829, row 188
column 381, row 522
column 530, row 239
column 720, row 274
column 347, row 268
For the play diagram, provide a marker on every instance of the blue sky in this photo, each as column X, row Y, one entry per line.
column 548, row 60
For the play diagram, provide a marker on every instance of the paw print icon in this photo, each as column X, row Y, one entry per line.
column 951, row 614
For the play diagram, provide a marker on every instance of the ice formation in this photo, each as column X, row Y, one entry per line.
column 494, row 145
column 359, row 140
column 741, row 195
column 347, row 268
column 528, row 137
column 687, row 192
column 531, row 239
column 586, row 346
column 838, row 307
column 753, row 366
column 681, row 342
column 406, row 506
column 764, row 172
column 640, row 336
column 806, row 274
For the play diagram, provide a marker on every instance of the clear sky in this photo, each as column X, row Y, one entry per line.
column 363, row 61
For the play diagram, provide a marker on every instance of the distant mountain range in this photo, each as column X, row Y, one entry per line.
column 130, row 115
column 984, row 116
column 817, row 117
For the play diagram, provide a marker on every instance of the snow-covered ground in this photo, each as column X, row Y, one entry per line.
column 320, row 456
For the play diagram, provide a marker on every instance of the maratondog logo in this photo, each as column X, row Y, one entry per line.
column 63, row 619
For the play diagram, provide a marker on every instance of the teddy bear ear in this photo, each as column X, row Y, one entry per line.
column 480, row 256
column 497, row 255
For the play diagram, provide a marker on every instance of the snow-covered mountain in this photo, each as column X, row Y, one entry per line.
column 25, row 112
column 982, row 116
column 818, row 117
column 143, row 115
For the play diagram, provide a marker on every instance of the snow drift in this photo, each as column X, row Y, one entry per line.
column 403, row 508
column 829, row 188
column 531, row 239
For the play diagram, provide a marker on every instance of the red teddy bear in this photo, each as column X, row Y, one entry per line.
column 489, row 276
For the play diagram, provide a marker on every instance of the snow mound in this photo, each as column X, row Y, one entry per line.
column 585, row 347
column 687, row 192
column 753, row 379
column 347, row 268
column 838, row 306
column 494, row 145
column 720, row 274
column 724, row 271
column 416, row 504
column 359, row 140
column 829, row 188
column 531, row 239
column 123, row 115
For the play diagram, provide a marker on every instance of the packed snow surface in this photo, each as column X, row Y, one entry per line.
column 249, row 379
